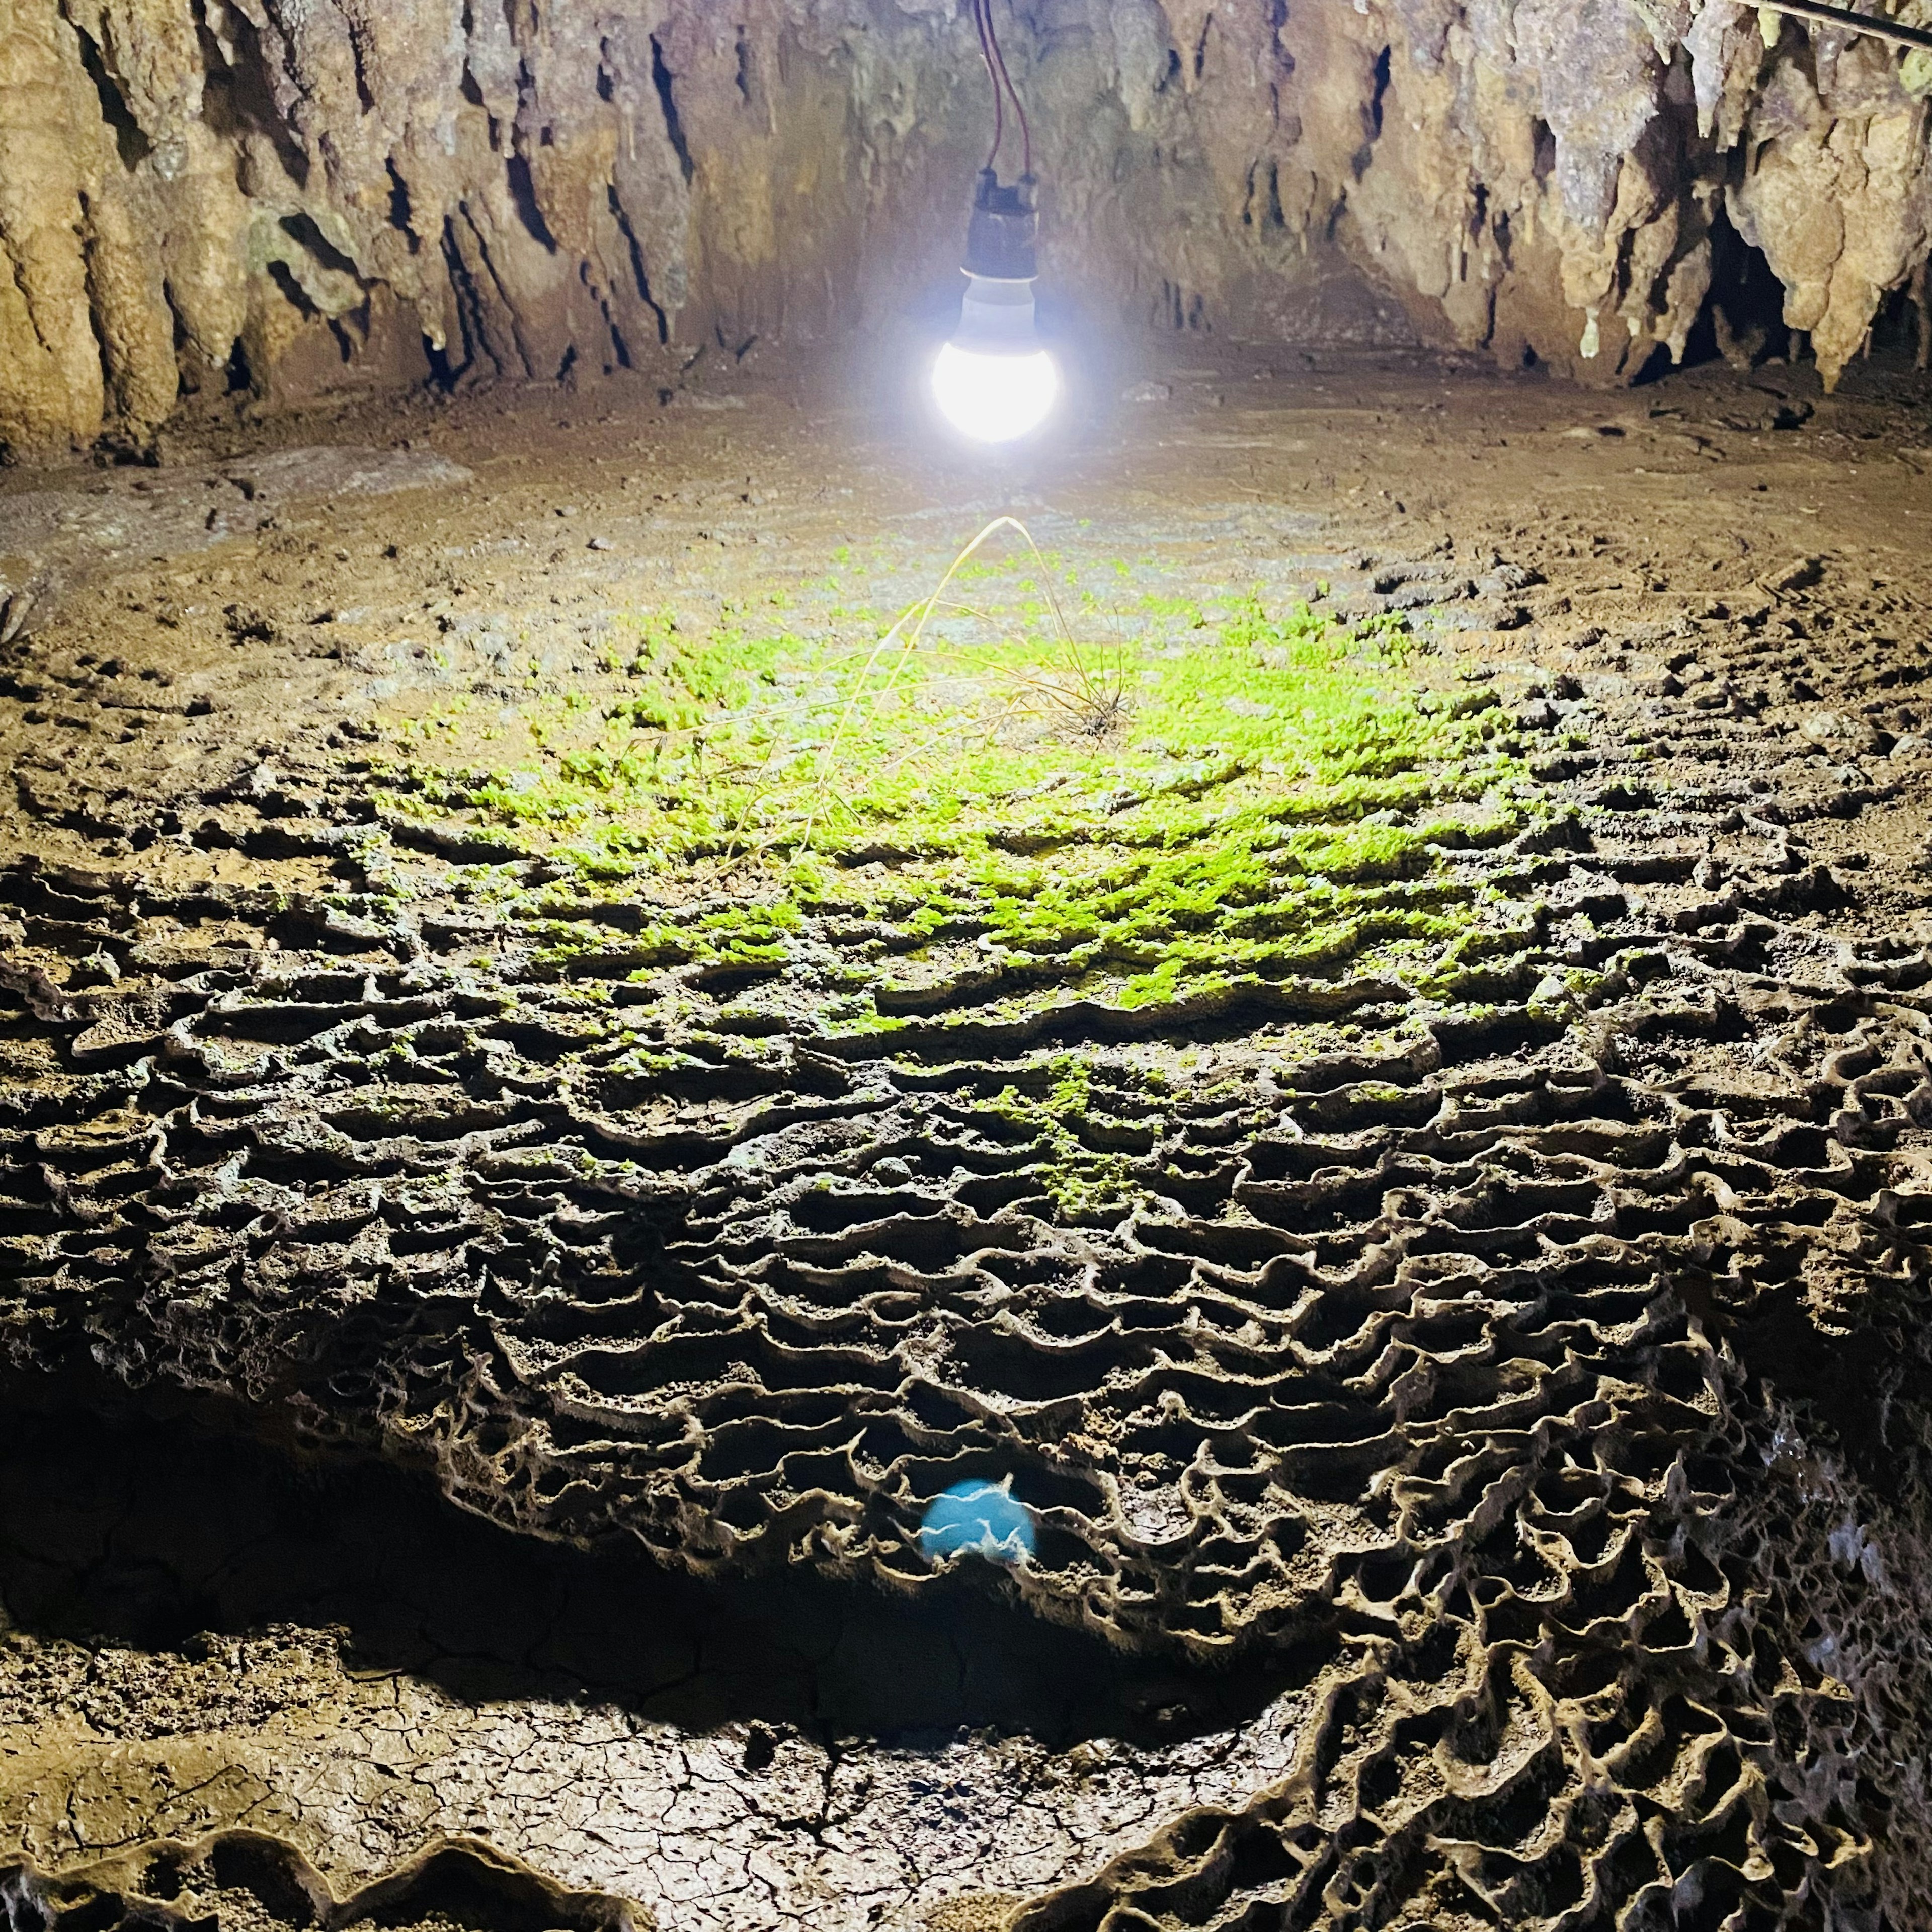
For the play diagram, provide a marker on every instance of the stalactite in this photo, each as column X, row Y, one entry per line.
column 1531, row 177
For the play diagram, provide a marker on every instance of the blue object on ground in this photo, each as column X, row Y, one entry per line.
column 982, row 1515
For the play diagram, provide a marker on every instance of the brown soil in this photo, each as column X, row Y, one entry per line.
column 267, row 620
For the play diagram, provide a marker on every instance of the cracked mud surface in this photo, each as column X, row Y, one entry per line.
column 1456, row 1310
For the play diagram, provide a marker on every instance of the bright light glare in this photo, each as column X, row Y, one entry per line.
column 994, row 398
column 984, row 1516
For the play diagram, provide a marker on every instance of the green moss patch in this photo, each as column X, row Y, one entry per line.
column 1016, row 799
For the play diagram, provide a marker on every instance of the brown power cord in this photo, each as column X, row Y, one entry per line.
column 1003, row 87
column 1894, row 31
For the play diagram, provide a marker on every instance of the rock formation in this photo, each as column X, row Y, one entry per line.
column 258, row 196
column 1476, row 1421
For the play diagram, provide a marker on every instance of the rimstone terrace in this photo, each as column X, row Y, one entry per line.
column 786, row 1147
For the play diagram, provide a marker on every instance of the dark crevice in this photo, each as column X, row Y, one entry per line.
column 1372, row 117
column 442, row 373
column 155, row 1529
column 461, row 1883
column 495, row 350
column 303, row 229
column 661, row 78
column 469, row 309
column 1261, row 208
column 1742, row 319
column 238, row 98
column 524, row 193
column 637, row 266
column 102, row 336
column 16, row 269
column 401, row 212
column 365, row 97
column 283, row 278
column 133, row 145
column 1543, row 149
column 240, row 376
column 1181, row 310
column 1895, row 326
column 189, row 365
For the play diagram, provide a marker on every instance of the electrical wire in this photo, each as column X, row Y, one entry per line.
column 1002, row 86
column 1897, row 31
column 983, row 21
column 1019, row 107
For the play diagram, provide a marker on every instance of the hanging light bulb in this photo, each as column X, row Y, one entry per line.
column 994, row 381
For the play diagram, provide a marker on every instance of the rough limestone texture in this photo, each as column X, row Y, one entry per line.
column 1418, row 1543
column 278, row 198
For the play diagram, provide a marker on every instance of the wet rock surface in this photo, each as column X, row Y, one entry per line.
column 1475, row 1431
column 54, row 541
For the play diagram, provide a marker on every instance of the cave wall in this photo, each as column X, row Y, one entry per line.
column 287, row 197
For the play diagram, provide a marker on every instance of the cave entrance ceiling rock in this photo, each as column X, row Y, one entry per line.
column 626, row 974
column 291, row 202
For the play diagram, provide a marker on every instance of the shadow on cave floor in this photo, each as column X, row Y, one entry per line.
column 153, row 1532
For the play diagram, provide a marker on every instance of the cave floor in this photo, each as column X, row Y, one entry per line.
column 1356, row 1022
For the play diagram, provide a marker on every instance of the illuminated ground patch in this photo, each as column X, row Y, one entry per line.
column 1012, row 800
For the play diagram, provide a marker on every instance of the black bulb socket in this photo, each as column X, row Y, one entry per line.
column 1002, row 239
